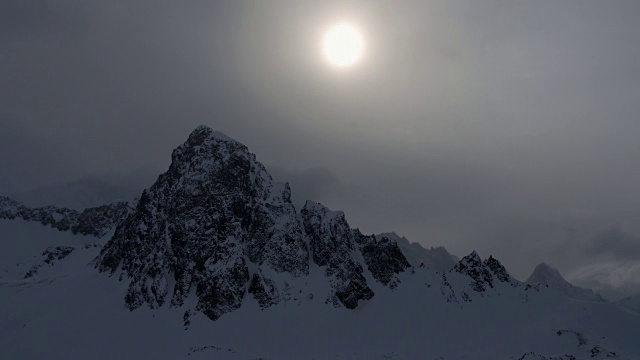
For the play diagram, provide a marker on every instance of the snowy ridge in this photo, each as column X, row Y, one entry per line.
column 545, row 274
column 436, row 258
column 484, row 273
column 95, row 221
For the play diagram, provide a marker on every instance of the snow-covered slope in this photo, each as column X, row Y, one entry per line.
column 545, row 274
column 631, row 303
column 215, row 262
column 436, row 258
column 69, row 311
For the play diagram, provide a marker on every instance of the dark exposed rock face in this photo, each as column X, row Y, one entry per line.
column 263, row 290
column 96, row 221
column 218, row 224
column 333, row 247
column 484, row 274
column 497, row 269
column 49, row 257
column 212, row 212
column 471, row 265
column 383, row 257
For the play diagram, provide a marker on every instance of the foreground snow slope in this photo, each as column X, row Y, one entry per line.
column 70, row 311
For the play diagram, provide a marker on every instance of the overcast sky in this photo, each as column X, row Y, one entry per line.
column 509, row 127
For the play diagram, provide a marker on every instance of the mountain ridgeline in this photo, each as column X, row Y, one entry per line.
column 217, row 230
column 436, row 258
column 95, row 221
column 216, row 238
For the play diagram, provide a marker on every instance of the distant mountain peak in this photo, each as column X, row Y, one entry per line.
column 483, row 272
column 435, row 258
column 545, row 273
column 548, row 275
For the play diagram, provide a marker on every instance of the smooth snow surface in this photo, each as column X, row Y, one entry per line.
column 631, row 303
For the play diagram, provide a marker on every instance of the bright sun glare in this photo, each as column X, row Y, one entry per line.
column 343, row 45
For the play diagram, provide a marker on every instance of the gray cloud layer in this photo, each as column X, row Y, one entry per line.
column 504, row 126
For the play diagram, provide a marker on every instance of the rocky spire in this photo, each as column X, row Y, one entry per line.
column 215, row 210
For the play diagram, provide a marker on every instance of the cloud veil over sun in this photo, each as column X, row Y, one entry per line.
column 343, row 45
column 510, row 128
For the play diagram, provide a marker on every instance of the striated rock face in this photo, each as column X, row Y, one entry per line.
column 264, row 291
column 95, row 221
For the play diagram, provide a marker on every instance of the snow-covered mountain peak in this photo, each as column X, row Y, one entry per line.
column 204, row 129
column 471, row 265
column 472, row 260
column 217, row 225
column 548, row 275
column 544, row 270
column 483, row 272
column 202, row 225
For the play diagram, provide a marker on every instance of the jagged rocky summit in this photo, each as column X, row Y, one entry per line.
column 483, row 273
column 216, row 225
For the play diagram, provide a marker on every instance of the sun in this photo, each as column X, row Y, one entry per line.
column 342, row 45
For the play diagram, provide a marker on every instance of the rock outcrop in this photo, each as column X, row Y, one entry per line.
column 218, row 225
